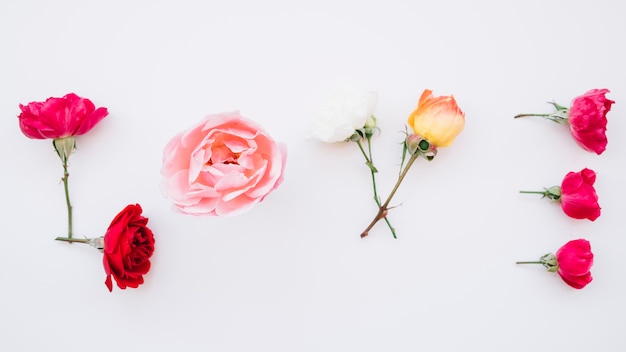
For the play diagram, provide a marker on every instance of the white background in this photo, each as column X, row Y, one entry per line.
column 292, row 274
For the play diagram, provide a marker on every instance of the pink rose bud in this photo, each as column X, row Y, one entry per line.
column 572, row 262
column 576, row 194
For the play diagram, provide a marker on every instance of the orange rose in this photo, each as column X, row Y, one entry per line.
column 437, row 119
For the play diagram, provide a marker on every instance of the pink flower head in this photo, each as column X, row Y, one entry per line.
column 578, row 196
column 63, row 117
column 221, row 166
column 587, row 120
column 574, row 261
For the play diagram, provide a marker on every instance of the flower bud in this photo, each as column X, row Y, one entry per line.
column 370, row 126
column 417, row 144
column 371, row 121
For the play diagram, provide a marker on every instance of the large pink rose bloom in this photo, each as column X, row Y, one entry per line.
column 221, row 166
column 63, row 117
column 587, row 120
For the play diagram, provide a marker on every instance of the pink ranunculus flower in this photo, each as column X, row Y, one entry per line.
column 221, row 166
column 576, row 194
column 573, row 262
column 56, row 118
column 587, row 120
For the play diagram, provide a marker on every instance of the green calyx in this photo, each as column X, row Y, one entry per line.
column 64, row 147
column 416, row 144
column 549, row 262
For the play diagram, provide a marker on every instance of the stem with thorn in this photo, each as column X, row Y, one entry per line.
column 384, row 208
column 370, row 163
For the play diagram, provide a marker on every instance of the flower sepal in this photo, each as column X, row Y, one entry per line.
column 557, row 106
column 549, row 262
column 96, row 242
column 561, row 115
column 64, row 147
column 366, row 132
column 416, row 144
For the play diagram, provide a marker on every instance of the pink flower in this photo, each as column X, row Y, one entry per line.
column 574, row 261
column 59, row 117
column 587, row 120
column 576, row 194
column 221, row 166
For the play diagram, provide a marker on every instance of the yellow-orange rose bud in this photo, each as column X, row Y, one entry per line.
column 438, row 119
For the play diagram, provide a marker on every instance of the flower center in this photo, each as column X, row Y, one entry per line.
column 223, row 155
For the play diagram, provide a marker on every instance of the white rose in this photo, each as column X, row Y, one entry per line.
column 346, row 111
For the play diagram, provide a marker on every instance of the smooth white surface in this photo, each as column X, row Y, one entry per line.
column 293, row 274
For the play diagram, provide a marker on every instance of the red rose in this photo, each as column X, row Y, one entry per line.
column 59, row 117
column 587, row 120
column 578, row 197
column 574, row 261
column 128, row 246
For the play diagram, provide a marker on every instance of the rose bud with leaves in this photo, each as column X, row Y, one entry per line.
column 586, row 118
column 572, row 262
column 576, row 194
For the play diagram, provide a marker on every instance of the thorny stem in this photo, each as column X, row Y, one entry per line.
column 532, row 262
column 383, row 209
column 533, row 192
column 370, row 163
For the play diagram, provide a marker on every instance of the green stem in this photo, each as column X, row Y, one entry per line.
column 533, row 262
column 523, row 115
column 376, row 197
column 66, row 176
column 370, row 163
column 383, row 209
column 72, row 240
column 533, row 192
